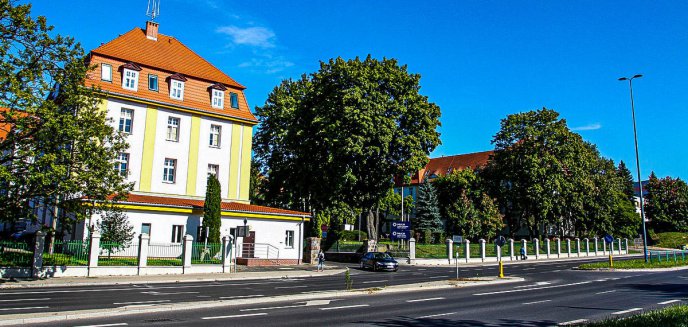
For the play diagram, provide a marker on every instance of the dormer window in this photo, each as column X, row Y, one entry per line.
column 130, row 76
column 218, row 99
column 177, row 86
column 234, row 100
column 106, row 72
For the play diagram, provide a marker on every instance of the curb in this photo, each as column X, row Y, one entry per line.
column 34, row 318
column 419, row 262
column 634, row 269
column 189, row 279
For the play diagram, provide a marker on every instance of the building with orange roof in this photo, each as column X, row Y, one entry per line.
column 184, row 119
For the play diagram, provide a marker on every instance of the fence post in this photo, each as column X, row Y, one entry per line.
column 37, row 263
column 450, row 249
column 558, row 241
column 587, row 247
column 144, row 239
column 618, row 240
column 595, row 238
column 578, row 246
column 93, row 250
column 548, row 247
column 626, row 243
column 226, row 259
column 524, row 245
column 187, row 248
column 482, row 249
column 604, row 247
column 536, row 244
column 568, row 247
column 412, row 250
column 468, row 250
column 511, row 249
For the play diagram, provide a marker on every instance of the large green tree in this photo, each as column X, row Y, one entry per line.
column 466, row 206
column 59, row 149
column 342, row 134
column 212, row 209
column 428, row 216
column 666, row 204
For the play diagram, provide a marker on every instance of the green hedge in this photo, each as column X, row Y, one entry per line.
column 352, row 235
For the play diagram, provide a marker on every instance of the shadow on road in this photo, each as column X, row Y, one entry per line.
column 674, row 290
column 459, row 323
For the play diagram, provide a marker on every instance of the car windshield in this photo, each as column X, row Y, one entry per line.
column 382, row 256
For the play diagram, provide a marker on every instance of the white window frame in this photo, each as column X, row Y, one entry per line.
column 169, row 171
column 177, row 233
column 218, row 99
column 289, row 239
column 173, row 124
column 106, row 72
column 214, row 170
column 124, row 115
column 215, row 136
column 130, row 79
column 176, row 89
column 123, row 160
column 157, row 82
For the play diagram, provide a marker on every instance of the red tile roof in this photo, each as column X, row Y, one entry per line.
column 166, row 53
column 444, row 165
column 194, row 203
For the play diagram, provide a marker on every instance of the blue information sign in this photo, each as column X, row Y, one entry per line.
column 401, row 230
column 608, row 239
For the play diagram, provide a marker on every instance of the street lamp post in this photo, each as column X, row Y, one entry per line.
column 637, row 162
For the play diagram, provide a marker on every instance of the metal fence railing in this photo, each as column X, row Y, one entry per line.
column 346, row 246
column 15, row 254
column 66, row 253
column 118, row 254
column 202, row 253
column 667, row 256
column 165, row 254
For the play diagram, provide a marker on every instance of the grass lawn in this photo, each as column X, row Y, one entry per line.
column 671, row 240
column 674, row 316
column 636, row 264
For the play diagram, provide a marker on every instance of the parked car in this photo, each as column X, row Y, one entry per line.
column 379, row 261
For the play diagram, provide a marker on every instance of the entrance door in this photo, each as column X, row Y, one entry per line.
column 249, row 246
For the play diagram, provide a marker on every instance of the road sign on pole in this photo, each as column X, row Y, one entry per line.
column 401, row 230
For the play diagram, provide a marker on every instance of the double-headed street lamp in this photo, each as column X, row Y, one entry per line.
column 637, row 162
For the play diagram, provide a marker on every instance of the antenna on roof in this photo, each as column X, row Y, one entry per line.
column 153, row 9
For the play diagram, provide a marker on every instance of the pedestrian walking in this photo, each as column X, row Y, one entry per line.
column 321, row 261
column 523, row 253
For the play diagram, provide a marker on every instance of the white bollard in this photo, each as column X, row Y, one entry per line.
column 94, row 249
column 482, row 249
column 536, row 243
column 450, row 250
column 144, row 240
column 511, row 249
column 187, row 250
column 568, row 247
column 226, row 254
column 618, row 240
column 547, row 246
column 587, row 247
column 604, row 247
column 468, row 250
column 626, row 243
column 524, row 244
column 595, row 238
column 558, row 247
column 577, row 246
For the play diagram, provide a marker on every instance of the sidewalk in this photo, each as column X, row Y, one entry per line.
column 243, row 274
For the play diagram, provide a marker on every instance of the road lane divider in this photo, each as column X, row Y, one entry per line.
column 626, row 311
column 437, row 315
column 573, row 322
column 236, row 316
column 106, row 325
column 605, row 292
column 669, row 302
column 23, row 308
column 22, row 300
column 533, row 288
column 346, row 307
column 375, row 281
column 298, row 286
column 142, row 302
column 536, row 302
column 240, row 296
column 423, row 300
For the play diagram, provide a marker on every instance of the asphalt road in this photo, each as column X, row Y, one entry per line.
column 551, row 294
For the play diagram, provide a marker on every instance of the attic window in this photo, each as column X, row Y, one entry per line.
column 177, row 86
column 130, row 76
column 217, row 95
column 234, row 100
column 106, row 72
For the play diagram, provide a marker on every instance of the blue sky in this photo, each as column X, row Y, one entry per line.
column 479, row 60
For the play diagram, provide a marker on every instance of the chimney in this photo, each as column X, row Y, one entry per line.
column 152, row 30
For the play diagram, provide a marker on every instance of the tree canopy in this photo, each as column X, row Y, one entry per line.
column 342, row 134
column 212, row 209
column 58, row 150
column 667, row 204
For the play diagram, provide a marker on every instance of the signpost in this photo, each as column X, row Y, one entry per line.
column 610, row 240
column 499, row 242
column 457, row 238
column 401, row 230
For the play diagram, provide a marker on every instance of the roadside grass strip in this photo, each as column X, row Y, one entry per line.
column 673, row 316
column 634, row 264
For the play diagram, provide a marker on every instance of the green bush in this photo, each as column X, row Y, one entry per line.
column 671, row 240
column 352, row 235
column 675, row 316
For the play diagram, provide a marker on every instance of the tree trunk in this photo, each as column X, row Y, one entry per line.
column 371, row 224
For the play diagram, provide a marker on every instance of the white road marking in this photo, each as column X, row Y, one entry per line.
column 670, row 301
column 106, row 325
column 432, row 277
column 423, row 300
column 300, row 286
column 422, row 269
column 304, row 304
column 437, row 315
column 533, row 285
column 45, row 292
column 375, row 281
column 605, row 292
column 346, row 307
column 20, row 300
column 171, row 293
column 529, row 269
column 23, row 308
column 143, row 302
column 235, row 316
column 240, row 296
column 626, row 311
column 533, row 288
column 543, row 301
column 573, row 322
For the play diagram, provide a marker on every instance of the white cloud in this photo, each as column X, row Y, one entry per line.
column 252, row 36
column 589, row 127
column 268, row 64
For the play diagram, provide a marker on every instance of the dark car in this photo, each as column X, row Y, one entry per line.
column 379, row 261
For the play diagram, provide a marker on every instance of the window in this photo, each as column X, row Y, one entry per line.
column 130, row 80
column 289, row 239
column 177, row 233
column 169, row 170
column 177, row 90
column 106, row 72
column 215, row 131
column 173, row 129
column 214, row 170
column 126, row 119
column 153, row 82
column 218, row 98
column 234, row 100
column 145, row 228
column 122, row 164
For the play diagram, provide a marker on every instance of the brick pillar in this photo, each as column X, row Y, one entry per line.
column 38, row 246
column 310, row 254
